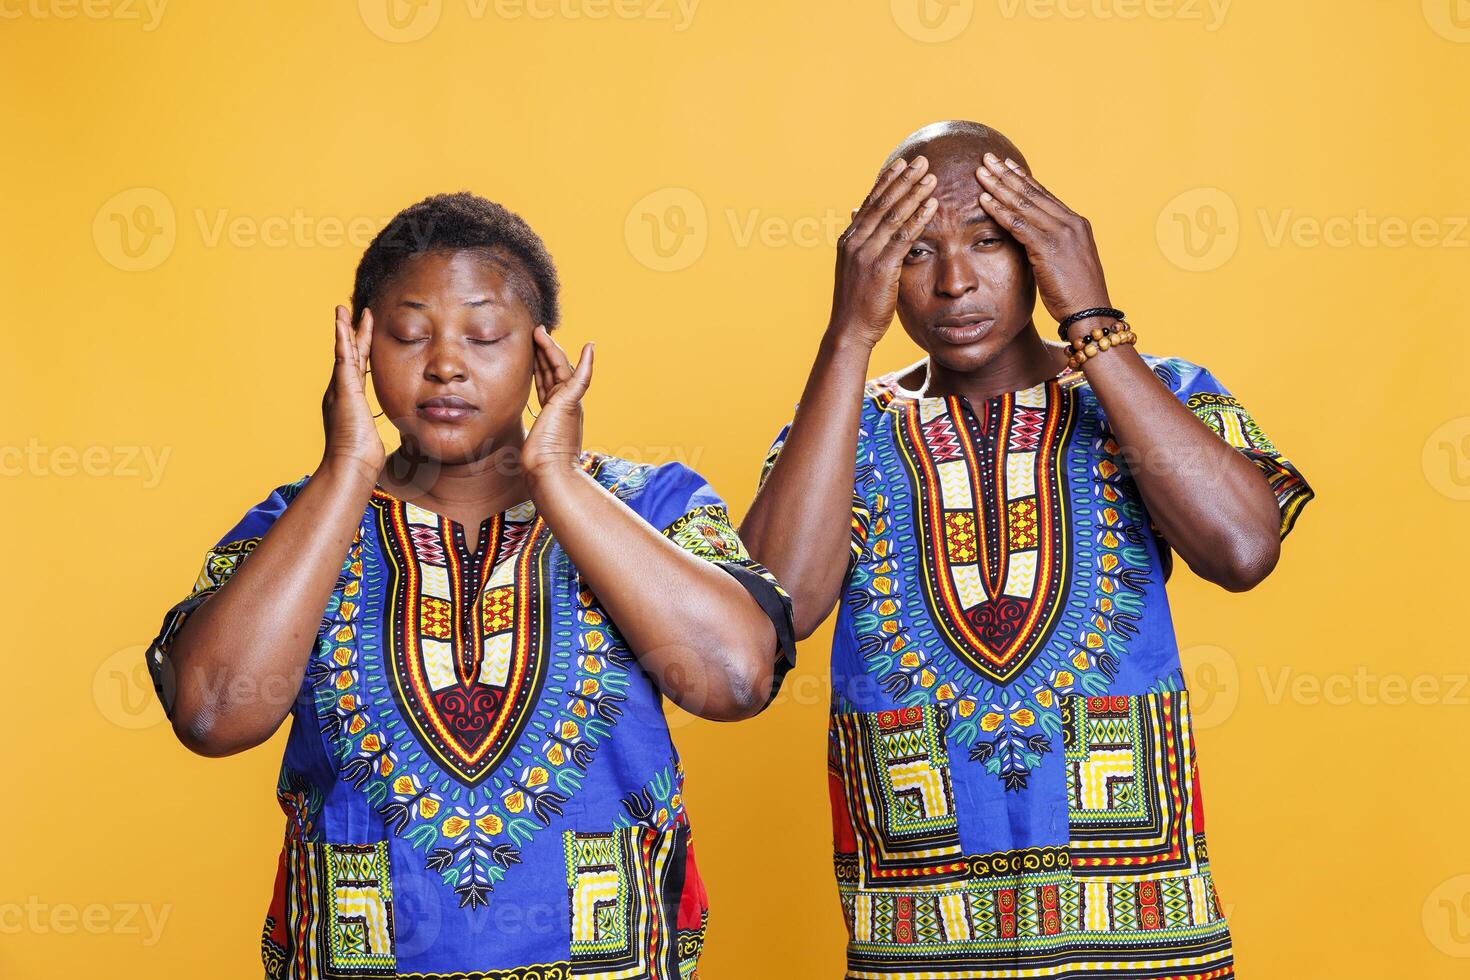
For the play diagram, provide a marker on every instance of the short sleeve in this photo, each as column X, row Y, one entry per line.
column 680, row 503
column 220, row 563
column 1204, row 395
column 862, row 514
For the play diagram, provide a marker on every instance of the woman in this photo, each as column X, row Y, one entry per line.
column 473, row 637
column 1013, row 777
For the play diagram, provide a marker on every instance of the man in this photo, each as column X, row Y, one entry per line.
column 1012, row 769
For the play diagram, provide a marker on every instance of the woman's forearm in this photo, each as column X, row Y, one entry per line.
column 692, row 626
column 799, row 526
column 238, row 661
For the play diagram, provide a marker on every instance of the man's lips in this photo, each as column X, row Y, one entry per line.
column 965, row 328
column 446, row 408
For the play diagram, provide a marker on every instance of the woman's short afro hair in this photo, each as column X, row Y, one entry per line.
column 456, row 222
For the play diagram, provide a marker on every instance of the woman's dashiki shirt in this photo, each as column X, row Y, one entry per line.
column 1013, row 780
column 479, row 781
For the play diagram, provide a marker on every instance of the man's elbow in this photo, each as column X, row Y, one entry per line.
column 1247, row 561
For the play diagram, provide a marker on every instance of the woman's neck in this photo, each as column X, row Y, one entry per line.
column 483, row 486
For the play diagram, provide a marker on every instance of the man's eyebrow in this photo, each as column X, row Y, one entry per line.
column 981, row 218
column 482, row 301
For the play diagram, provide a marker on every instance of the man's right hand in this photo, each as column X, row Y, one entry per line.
column 871, row 251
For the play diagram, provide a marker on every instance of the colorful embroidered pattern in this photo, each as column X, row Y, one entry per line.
column 455, row 702
column 1004, row 693
column 623, row 885
column 336, row 917
column 1010, row 760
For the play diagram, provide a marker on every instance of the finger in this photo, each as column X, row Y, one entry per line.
column 1031, row 181
column 899, row 215
column 904, row 238
column 874, row 212
column 1006, row 184
column 541, row 369
column 364, row 334
column 342, row 349
column 559, row 368
column 581, row 379
column 888, row 176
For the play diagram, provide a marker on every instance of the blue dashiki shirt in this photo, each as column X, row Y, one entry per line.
column 479, row 781
column 1012, row 771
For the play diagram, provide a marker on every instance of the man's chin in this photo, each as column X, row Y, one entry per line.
column 962, row 359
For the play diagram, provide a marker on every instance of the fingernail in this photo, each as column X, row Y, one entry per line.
column 898, row 165
column 928, row 179
column 991, row 158
column 986, row 196
column 1012, row 164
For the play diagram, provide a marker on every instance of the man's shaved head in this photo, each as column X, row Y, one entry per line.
column 955, row 143
column 966, row 289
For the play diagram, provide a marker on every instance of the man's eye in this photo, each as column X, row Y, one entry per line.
column 987, row 242
column 409, row 340
column 917, row 252
column 486, row 340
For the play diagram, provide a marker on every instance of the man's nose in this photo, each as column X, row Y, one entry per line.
column 956, row 277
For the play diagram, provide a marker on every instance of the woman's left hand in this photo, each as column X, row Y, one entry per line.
column 1057, row 240
column 555, row 439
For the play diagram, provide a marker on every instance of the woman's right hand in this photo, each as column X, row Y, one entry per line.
column 871, row 251
column 351, row 436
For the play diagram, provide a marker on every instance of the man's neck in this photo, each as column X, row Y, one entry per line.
column 1026, row 361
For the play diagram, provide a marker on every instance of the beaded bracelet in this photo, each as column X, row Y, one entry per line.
column 1088, row 314
column 1101, row 339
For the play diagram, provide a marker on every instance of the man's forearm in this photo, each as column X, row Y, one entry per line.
column 798, row 526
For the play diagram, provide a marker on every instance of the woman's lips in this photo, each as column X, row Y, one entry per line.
column 436, row 411
column 963, row 330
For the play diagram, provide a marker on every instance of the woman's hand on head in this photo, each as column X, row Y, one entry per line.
column 554, row 443
column 351, row 437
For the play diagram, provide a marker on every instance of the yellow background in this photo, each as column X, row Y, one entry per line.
column 243, row 139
